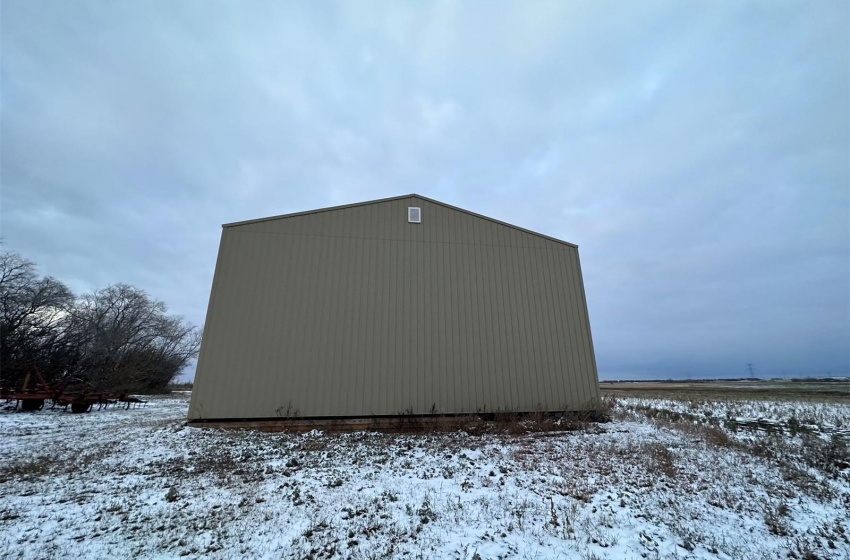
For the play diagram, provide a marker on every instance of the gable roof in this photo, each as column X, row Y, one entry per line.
column 380, row 200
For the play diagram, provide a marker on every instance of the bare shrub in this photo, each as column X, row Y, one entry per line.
column 831, row 456
column 777, row 522
column 661, row 460
column 172, row 495
column 710, row 434
column 608, row 402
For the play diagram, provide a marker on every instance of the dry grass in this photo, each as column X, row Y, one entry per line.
column 795, row 449
column 61, row 460
column 29, row 469
column 492, row 423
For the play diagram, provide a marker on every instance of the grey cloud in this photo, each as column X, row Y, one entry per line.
column 696, row 152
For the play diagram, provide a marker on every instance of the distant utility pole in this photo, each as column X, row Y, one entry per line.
column 752, row 374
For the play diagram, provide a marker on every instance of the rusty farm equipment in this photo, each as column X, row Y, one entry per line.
column 32, row 398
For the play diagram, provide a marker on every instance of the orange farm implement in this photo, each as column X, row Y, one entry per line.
column 33, row 398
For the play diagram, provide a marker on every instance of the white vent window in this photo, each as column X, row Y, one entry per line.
column 414, row 215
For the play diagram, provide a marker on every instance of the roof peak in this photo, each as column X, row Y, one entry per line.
column 390, row 199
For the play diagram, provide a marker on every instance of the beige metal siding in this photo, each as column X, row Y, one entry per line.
column 356, row 312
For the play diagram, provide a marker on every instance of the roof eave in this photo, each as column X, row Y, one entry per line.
column 317, row 210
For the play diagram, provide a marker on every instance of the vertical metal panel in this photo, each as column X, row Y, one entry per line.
column 356, row 312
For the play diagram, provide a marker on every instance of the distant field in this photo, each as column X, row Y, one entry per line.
column 834, row 391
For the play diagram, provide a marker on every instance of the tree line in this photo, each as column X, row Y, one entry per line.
column 117, row 339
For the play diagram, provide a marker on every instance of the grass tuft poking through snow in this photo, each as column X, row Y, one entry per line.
column 663, row 479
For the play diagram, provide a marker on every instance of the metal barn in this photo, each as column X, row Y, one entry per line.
column 400, row 306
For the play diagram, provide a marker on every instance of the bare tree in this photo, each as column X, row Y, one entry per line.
column 32, row 313
column 129, row 341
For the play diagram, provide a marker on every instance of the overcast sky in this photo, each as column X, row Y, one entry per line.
column 697, row 152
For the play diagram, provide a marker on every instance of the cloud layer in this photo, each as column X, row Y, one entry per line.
column 697, row 152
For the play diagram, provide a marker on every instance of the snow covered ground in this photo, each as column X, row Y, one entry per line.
column 664, row 479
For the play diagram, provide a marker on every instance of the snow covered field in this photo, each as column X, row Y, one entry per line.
column 664, row 479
